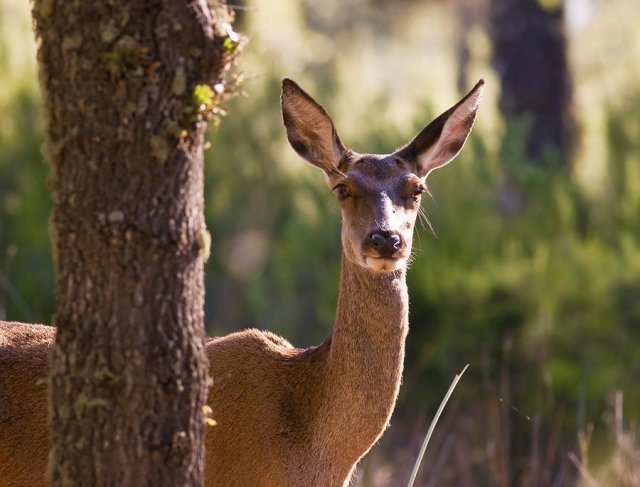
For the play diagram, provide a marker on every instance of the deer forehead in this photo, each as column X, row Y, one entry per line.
column 376, row 174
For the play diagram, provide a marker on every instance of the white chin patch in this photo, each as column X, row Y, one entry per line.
column 382, row 265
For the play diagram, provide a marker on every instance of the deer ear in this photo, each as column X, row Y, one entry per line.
column 309, row 128
column 442, row 139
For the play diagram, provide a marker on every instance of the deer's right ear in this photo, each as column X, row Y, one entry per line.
column 309, row 128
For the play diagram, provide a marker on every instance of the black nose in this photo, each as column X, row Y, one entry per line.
column 384, row 242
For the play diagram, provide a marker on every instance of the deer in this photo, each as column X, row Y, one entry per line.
column 288, row 416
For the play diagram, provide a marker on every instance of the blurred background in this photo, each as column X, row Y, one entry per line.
column 531, row 273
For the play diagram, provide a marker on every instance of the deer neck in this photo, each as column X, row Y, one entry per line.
column 365, row 357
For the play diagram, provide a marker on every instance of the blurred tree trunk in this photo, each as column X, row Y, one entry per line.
column 129, row 375
column 529, row 54
column 469, row 13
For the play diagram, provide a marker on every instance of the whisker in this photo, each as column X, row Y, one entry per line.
column 421, row 216
column 419, row 242
column 431, row 227
column 424, row 220
column 428, row 191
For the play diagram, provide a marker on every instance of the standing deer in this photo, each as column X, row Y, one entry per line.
column 288, row 416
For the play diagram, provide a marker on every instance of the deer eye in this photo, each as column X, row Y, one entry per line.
column 341, row 191
column 418, row 190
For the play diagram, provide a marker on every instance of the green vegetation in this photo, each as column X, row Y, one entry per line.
column 533, row 278
column 203, row 98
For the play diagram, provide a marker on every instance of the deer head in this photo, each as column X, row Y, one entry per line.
column 379, row 194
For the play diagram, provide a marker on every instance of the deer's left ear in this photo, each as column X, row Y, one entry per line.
column 443, row 138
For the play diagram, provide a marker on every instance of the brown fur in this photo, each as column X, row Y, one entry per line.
column 23, row 403
column 286, row 416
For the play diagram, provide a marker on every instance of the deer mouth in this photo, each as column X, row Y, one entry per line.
column 383, row 264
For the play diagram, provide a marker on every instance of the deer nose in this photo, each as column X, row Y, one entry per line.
column 384, row 242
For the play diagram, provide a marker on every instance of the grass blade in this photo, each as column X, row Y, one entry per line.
column 416, row 467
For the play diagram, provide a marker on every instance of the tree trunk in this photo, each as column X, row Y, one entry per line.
column 129, row 375
column 529, row 54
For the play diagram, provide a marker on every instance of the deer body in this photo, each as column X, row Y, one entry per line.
column 23, row 403
column 320, row 409
column 287, row 416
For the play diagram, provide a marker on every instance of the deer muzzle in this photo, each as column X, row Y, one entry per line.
column 384, row 243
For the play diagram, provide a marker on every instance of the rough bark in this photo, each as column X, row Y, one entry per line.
column 128, row 378
column 529, row 54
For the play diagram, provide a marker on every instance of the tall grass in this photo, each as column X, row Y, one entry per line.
column 427, row 438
